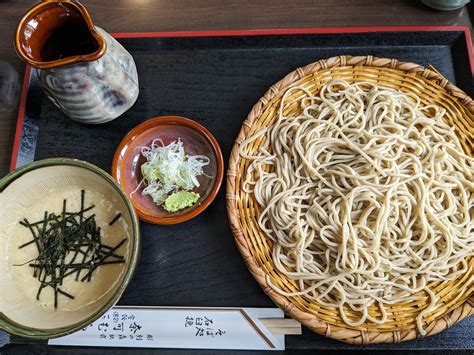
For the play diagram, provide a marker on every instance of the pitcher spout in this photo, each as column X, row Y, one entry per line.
column 85, row 72
column 57, row 33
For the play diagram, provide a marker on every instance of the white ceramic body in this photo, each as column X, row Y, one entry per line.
column 96, row 91
column 445, row 5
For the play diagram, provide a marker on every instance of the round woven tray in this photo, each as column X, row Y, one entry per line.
column 455, row 298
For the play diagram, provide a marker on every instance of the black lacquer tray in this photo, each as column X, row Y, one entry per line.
column 215, row 78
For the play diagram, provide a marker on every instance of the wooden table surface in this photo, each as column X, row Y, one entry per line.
column 176, row 15
column 186, row 15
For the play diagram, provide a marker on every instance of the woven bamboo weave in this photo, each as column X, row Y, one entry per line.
column 455, row 298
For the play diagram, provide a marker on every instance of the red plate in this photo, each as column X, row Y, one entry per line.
column 196, row 140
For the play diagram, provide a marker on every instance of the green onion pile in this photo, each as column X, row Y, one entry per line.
column 169, row 170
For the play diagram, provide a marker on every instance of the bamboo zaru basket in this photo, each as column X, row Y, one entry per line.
column 455, row 298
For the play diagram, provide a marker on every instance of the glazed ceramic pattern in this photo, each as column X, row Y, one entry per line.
column 96, row 91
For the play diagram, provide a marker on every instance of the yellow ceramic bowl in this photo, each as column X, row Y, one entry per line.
column 23, row 191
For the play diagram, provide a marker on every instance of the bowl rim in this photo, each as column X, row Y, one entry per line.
column 36, row 333
column 185, row 122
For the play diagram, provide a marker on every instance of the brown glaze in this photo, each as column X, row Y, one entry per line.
column 56, row 33
column 126, row 166
column 87, row 74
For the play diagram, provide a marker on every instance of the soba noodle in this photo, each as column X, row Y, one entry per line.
column 367, row 196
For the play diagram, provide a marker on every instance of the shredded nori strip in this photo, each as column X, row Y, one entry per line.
column 68, row 244
column 115, row 218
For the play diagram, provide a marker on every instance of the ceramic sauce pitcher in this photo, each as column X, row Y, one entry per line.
column 85, row 72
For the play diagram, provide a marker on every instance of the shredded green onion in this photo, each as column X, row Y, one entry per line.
column 169, row 169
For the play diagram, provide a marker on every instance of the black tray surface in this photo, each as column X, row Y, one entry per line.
column 216, row 81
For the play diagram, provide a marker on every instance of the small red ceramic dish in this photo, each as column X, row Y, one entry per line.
column 196, row 140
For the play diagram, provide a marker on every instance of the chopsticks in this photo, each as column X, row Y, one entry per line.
column 286, row 326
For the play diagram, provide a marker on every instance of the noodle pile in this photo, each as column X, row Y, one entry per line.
column 367, row 195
